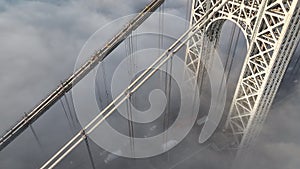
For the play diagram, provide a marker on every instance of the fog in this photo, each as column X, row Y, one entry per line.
column 40, row 42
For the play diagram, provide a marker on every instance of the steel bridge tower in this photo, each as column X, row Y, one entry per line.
column 271, row 29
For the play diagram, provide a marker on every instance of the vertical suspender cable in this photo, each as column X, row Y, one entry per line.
column 229, row 53
column 162, row 75
column 227, row 57
column 100, row 95
column 73, row 108
column 168, row 113
column 90, row 64
column 227, row 61
column 130, row 97
column 90, row 153
column 160, row 35
column 36, row 137
column 70, row 112
column 105, row 83
column 202, row 62
column 129, row 52
column 65, row 111
column 133, row 87
column 233, row 55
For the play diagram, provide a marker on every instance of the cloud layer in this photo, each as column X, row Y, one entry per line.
column 39, row 44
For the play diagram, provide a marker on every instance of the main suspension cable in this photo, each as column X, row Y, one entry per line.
column 46, row 103
column 140, row 80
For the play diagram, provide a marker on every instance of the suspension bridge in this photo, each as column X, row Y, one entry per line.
column 272, row 32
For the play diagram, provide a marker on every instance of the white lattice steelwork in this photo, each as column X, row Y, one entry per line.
column 271, row 28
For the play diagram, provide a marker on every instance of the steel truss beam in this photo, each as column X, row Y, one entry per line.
column 271, row 29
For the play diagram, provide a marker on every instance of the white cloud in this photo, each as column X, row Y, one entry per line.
column 40, row 40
